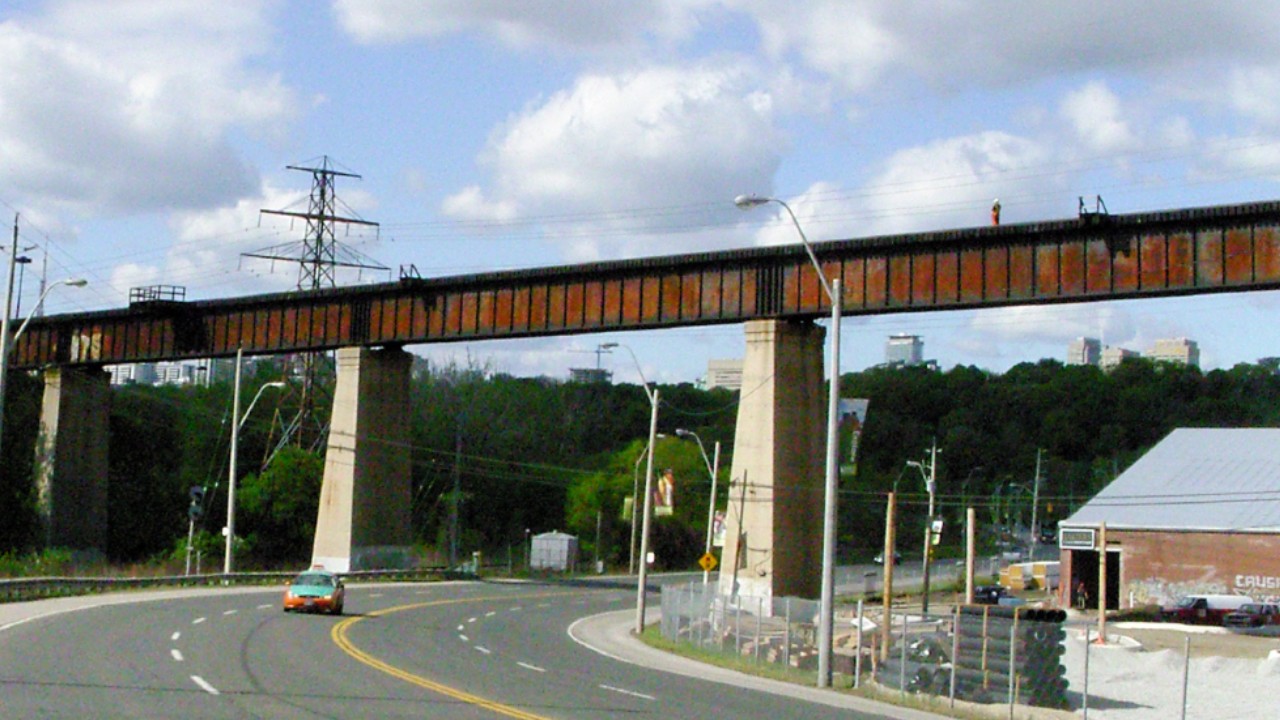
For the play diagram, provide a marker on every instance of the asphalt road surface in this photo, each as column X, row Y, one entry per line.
column 455, row 650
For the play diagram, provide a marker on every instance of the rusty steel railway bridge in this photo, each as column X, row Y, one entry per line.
column 1093, row 257
column 775, row 293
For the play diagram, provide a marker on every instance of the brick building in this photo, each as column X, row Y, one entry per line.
column 1199, row 513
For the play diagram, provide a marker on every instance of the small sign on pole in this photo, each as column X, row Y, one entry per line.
column 708, row 562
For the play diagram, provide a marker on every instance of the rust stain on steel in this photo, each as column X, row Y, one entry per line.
column 1226, row 248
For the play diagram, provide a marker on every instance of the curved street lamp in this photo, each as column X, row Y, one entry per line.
column 714, row 469
column 826, row 613
column 7, row 343
column 642, row 578
column 237, row 422
column 635, row 509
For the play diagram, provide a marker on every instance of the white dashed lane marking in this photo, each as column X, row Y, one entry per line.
column 197, row 621
column 177, row 654
column 204, row 685
column 230, row 612
column 629, row 693
column 527, row 666
column 174, row 637
column 484, row 650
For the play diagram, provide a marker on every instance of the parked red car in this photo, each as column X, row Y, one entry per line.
column 1253, row 615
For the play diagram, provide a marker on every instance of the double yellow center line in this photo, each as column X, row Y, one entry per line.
column 341, row 639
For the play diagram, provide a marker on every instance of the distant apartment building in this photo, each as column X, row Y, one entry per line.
column 1177, row 350
column 590, row 376
column 183, row 372
column 724, row 373
column 904, row 350
column 132, row 374
column 1085, row 351
column 1113, row 356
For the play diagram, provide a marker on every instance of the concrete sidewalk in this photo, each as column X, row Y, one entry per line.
column 610, row 634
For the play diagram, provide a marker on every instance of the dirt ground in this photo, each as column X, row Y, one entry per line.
column 1256, row 645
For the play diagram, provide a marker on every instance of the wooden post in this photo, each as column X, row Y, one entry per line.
column 970, row 538
column 888, row 556
column 1102, row 583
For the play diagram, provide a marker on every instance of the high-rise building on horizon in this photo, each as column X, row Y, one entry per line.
column 1085, row 351
column 903, row 349
column 724, row 373
column 1113, row 356
column 1177, row 350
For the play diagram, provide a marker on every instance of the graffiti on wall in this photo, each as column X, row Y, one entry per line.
column 1263, row 588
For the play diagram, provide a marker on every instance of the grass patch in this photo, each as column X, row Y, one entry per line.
column 869, row 690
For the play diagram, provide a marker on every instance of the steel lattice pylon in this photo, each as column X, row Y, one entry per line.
column 319, row 254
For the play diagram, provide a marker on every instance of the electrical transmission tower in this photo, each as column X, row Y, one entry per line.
column 319, row 255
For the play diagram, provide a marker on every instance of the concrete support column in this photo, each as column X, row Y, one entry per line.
column 773, row 544
column 364, row 521
column 71, row 459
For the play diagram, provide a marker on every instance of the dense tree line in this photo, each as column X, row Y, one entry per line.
column 528, row 455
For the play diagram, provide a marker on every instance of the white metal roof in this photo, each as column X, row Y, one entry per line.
column 1211, row 479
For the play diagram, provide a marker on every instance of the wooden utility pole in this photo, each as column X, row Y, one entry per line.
column 889, row 542
column 1102, row 583
column 970, row 536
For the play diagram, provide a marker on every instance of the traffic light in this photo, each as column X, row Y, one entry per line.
column 197, row 502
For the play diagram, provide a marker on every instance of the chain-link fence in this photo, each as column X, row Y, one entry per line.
column 1033, row 660
column 781, row 630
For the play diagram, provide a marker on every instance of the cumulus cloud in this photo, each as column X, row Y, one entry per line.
column 951, row 182
column 128, row 107
column 560, row 24
column 596, row 154
column 1055, row 324
column 957, row 44
column 1096, row 116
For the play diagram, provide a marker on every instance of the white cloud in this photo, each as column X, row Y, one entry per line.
column 952, row 182
column 1054, row 324
column 1095, row 114
column 950, row 44
column 548, row 25
column 127, row 106
column 594, row 156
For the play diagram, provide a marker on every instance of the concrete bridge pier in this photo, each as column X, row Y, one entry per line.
column 364, row 520
column 71, row 459
column 773, row 543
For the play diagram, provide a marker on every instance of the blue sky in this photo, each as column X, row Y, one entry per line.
column 140, row 138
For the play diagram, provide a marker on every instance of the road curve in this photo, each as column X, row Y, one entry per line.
column 457, row 650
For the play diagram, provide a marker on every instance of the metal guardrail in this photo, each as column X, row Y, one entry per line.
column 39, row 588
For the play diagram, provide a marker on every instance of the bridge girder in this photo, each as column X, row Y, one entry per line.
column 1092, row 258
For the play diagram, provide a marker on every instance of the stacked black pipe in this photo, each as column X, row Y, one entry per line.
column 994, row 640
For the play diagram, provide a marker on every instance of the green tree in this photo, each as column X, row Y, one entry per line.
column 280, row 505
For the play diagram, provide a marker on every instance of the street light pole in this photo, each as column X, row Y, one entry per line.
column 635, row 507
column 714, row 469
column 931, row 484
column 1035, row 506
column 826, row 613
column 237, row 421
column 642, row 578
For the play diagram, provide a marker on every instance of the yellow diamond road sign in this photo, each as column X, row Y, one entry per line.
column 708, row 562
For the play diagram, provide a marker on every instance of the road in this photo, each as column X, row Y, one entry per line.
column 456, row 650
